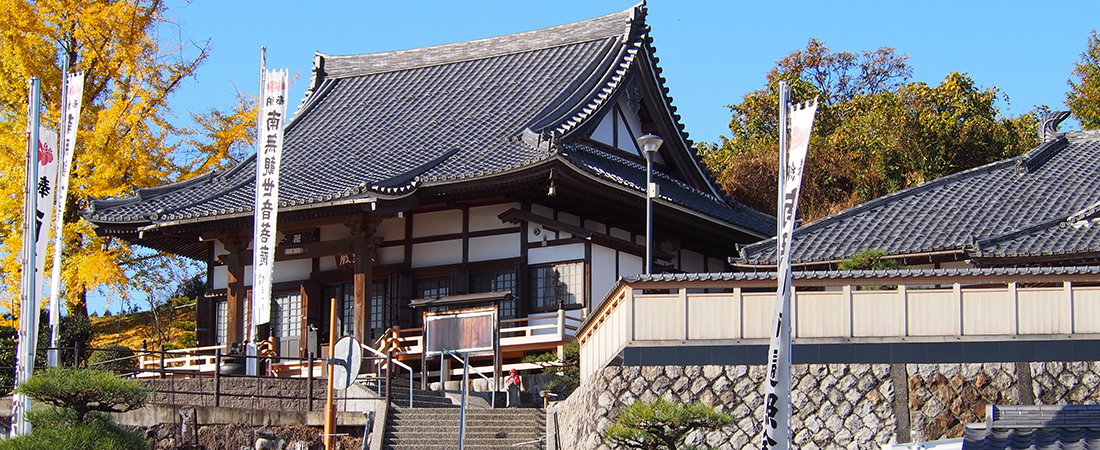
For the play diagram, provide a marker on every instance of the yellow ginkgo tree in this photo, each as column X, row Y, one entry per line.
column 128, row 135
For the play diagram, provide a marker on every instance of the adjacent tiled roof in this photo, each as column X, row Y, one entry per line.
column 381, row 125
column 853, row 274
column 1044, row 427
column 1011, row 207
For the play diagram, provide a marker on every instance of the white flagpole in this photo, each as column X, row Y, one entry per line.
column 55, row 274
column 793, row 152
column 72, row 93
column 253, row 325
column 28, row 308
column 776, row 434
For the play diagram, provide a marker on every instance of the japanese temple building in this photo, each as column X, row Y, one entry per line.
column 415, row 178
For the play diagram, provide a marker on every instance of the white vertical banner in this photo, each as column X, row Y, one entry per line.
column 272, row 118
column 71, row 98
column 778, row 376
column 44, row 189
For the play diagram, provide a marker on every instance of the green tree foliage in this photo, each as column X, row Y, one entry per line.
column 567, row 368
column 870, row 260
column 875, row 132
column 75, row 331
column 8, row 340
column 1083, row 98
column 127, row 135
column 79, row 392
column 662, row 424
column 115, row 357
column 80, row 400
column 51, row 430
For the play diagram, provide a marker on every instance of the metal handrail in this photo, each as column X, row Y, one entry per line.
column 466, row 367
column 399, row 363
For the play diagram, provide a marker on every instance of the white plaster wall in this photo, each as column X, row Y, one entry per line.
column 335, row 232
column 295, row 270
column 327, row 263
column 629, row 264
column 620, row 233
column 605, row 131
column 221, row 277
column 595, row 226
column 536, row 233
column 436, row 253
column 391, row 255
column 605, row 272
column 569, row 218
column 392, row 229
column 488, row 248
column 691, row 261
column 485, row 217
column 544, row 211
column 437, row 223
column 542, row 255
column 717, row 265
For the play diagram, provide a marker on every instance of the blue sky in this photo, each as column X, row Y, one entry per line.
column 712, row 52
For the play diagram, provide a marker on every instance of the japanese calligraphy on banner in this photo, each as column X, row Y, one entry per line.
column 44, row 189
column 777, row 384
column 272, row 118
column 72, row 96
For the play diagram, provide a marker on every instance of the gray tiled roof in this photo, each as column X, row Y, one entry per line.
column 632, row 175
column 851, row 274
column 1039, row 427
column 381, row 125
column 1010, row 207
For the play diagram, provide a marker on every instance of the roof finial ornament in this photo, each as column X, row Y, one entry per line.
column 1048, row 124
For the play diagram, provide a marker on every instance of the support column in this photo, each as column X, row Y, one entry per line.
column 236, row 245
column 364, row 233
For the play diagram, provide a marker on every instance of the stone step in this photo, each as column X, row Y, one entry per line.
column 437, row 428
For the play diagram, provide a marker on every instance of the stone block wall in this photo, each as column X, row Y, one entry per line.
column 835, row 406
column 239, row 392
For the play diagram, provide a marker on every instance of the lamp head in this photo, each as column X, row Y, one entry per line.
column 650, row 143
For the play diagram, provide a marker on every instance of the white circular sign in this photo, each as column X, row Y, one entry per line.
column 346, row 355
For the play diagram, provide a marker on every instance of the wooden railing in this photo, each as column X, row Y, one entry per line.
column 912, row 309
column 513, row 333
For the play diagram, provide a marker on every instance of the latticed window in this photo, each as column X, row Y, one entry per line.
column 345, row 302
column 555, row 285
column 221, row 322
column 497, row 282
column 286, row 315
column 431, row 288
column 379, row 304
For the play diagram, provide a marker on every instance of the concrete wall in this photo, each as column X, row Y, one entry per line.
column 836, row 406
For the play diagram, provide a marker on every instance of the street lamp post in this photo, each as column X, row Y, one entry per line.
column 649, row 143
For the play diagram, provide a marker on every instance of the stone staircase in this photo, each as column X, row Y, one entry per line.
column 486, row 429
column 399, row 397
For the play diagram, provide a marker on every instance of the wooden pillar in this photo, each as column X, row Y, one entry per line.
column 363, row 231
column 235, row 294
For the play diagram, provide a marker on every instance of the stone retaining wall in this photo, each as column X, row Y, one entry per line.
column 836, row 406
column 239, row 392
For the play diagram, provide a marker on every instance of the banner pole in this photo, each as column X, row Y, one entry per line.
column 55, row 282
column 28, row 311
column 330, row 412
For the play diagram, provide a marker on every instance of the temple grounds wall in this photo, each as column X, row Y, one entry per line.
column 835, row 406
